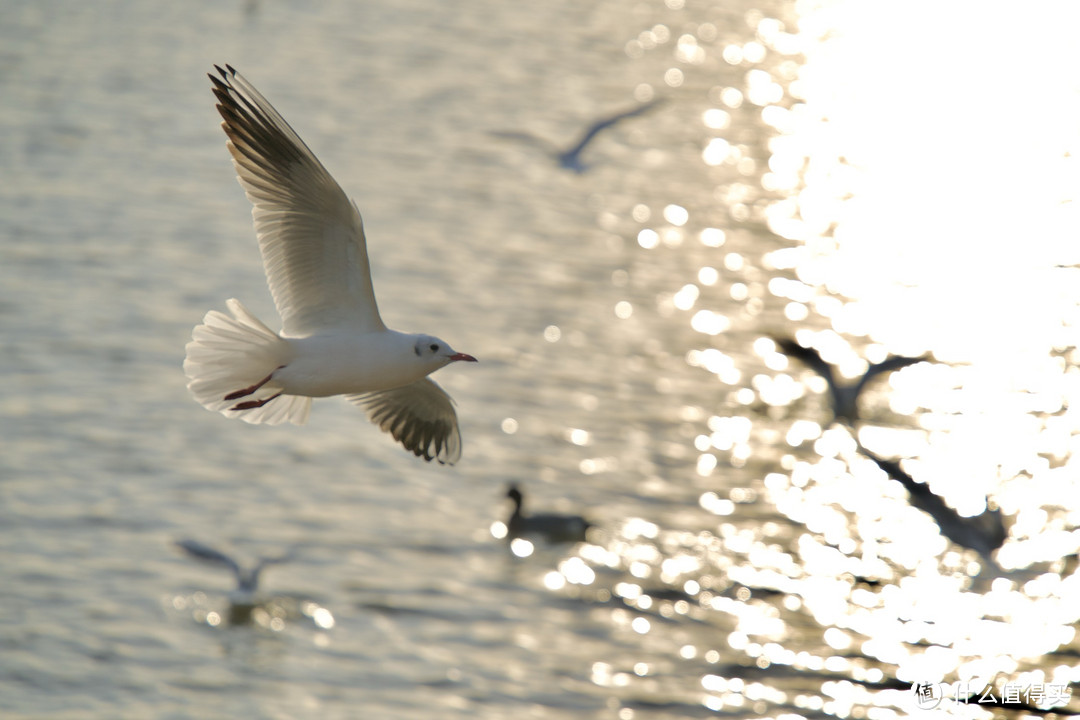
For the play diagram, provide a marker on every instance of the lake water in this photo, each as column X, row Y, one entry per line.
column 870, row 178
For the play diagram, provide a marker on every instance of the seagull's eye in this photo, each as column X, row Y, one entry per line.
column 434, row 347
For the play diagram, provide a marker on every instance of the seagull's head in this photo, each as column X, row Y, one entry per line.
column 432, row 349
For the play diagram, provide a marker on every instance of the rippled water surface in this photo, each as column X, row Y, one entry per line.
column 866, row 178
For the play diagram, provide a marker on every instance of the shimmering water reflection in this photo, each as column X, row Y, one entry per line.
column 888, row 246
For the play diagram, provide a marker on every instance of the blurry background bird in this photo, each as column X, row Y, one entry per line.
column 243, row 599
column 550, row 528
column 844, row 396
column 984, row 533
column 570, row 158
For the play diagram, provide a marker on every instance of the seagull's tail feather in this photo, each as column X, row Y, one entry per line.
column 227, row 354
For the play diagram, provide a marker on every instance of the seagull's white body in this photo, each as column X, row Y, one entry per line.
column 333, row 340
column 325, row 365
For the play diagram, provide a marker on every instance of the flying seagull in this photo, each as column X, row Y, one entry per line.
column 243, row 600
column 570, row 158
column 247, row 578
column 550, row 527
column 332, row 339
column 983, row 533
column 844, row 397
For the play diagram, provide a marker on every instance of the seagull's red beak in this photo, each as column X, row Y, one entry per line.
column 462, row 356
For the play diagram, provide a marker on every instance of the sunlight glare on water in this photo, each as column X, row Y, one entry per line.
column 939, row 178
column 918, row 214
column 940, row 209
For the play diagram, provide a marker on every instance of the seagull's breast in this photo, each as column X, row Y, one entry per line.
column 344, row 363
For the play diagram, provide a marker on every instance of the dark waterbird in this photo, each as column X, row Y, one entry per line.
column 549, row 527
column 570, row 158
column 844, row 396
column 983, row 533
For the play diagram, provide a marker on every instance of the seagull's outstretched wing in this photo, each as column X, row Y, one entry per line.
column 807, row 356
column 420, row 416
column 983, row 533
column 528, row 139
column 886, row 366
column 607, row 122
column 265, row 562
column 197, row 550
column 310, row 233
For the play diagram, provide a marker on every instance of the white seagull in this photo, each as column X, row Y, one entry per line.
column 245, row 598
column 332, row 339
column 247, row 578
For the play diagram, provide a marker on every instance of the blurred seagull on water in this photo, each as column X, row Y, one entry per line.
column 570, row 158
column 844, row 397
column 242, row 599
column 333, row 340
